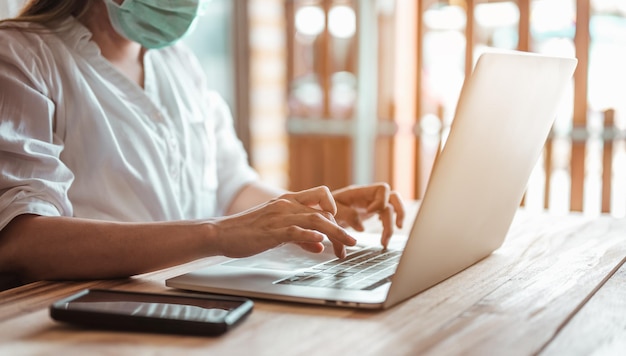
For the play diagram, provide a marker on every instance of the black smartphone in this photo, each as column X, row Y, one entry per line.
column 147, row 312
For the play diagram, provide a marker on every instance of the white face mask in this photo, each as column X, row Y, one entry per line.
column 155, row 23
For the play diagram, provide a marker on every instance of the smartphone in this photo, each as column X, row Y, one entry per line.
column 161, row 313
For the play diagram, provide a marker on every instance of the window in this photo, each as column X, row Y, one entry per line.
column 419, row 55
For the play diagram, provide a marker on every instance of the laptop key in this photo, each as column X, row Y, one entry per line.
column 367, row 268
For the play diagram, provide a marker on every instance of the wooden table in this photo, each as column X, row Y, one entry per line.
column 556, row 287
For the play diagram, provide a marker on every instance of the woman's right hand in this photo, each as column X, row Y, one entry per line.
column 304, row 218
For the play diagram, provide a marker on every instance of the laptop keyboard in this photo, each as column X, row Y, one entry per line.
column 365, row 269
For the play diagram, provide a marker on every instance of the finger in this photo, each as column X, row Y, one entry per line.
column 299, row 235
column 287, row 206
column 319, row 222
column 339, row 249
column 381, row 197
column 386, row 217
column 350, row 217
column 319, row 196
column 398, row 207
column 317, row 247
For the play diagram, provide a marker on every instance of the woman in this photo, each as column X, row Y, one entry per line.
column 116, row 160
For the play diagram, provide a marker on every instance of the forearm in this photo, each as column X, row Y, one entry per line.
column 51, row 248
column 37, row 247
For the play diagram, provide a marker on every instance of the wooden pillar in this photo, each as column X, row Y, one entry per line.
column 524, row 42
column 407, row 68
column 469, row 37
column 419, row 63
column 577, row 164
column 607, row 159
column 241, row 55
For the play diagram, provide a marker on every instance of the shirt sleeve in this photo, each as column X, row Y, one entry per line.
column 33, row 179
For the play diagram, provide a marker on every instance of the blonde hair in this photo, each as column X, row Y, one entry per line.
column 50, row 13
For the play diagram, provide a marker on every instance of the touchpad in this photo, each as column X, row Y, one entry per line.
column 288, row 257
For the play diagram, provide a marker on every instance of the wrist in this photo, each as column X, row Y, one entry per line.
column 211, row 238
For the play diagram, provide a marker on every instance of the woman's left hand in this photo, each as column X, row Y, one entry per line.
column 358, row 203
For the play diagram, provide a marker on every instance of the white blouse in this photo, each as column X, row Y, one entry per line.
column 78, row 138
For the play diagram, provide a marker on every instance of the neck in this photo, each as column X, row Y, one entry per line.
column 125, row 55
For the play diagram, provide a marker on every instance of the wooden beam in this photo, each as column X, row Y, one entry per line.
column 577, row 164
column 419, row 63
column 524, row 43
column 607, row 161
column 547, row 156
column 241, row 54
column 469, row 38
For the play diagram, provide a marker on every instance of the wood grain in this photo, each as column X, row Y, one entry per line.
column 551, row 287
column 600, row 326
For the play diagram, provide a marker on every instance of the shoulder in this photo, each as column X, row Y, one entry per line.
column 27, row 50
column 21, row 37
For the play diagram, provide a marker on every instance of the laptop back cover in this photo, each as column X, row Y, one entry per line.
column 503, row 118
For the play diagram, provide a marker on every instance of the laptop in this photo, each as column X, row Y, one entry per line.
column 504, row 115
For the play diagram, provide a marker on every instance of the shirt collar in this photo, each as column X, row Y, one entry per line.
column 76, row 36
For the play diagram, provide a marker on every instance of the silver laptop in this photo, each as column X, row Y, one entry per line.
column 503, row 117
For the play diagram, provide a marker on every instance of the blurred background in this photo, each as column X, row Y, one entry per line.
column 338, row 92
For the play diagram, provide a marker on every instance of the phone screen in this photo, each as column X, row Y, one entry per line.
column 152, row 312
column 155, row 306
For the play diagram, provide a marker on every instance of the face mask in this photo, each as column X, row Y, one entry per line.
column 155, row 23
